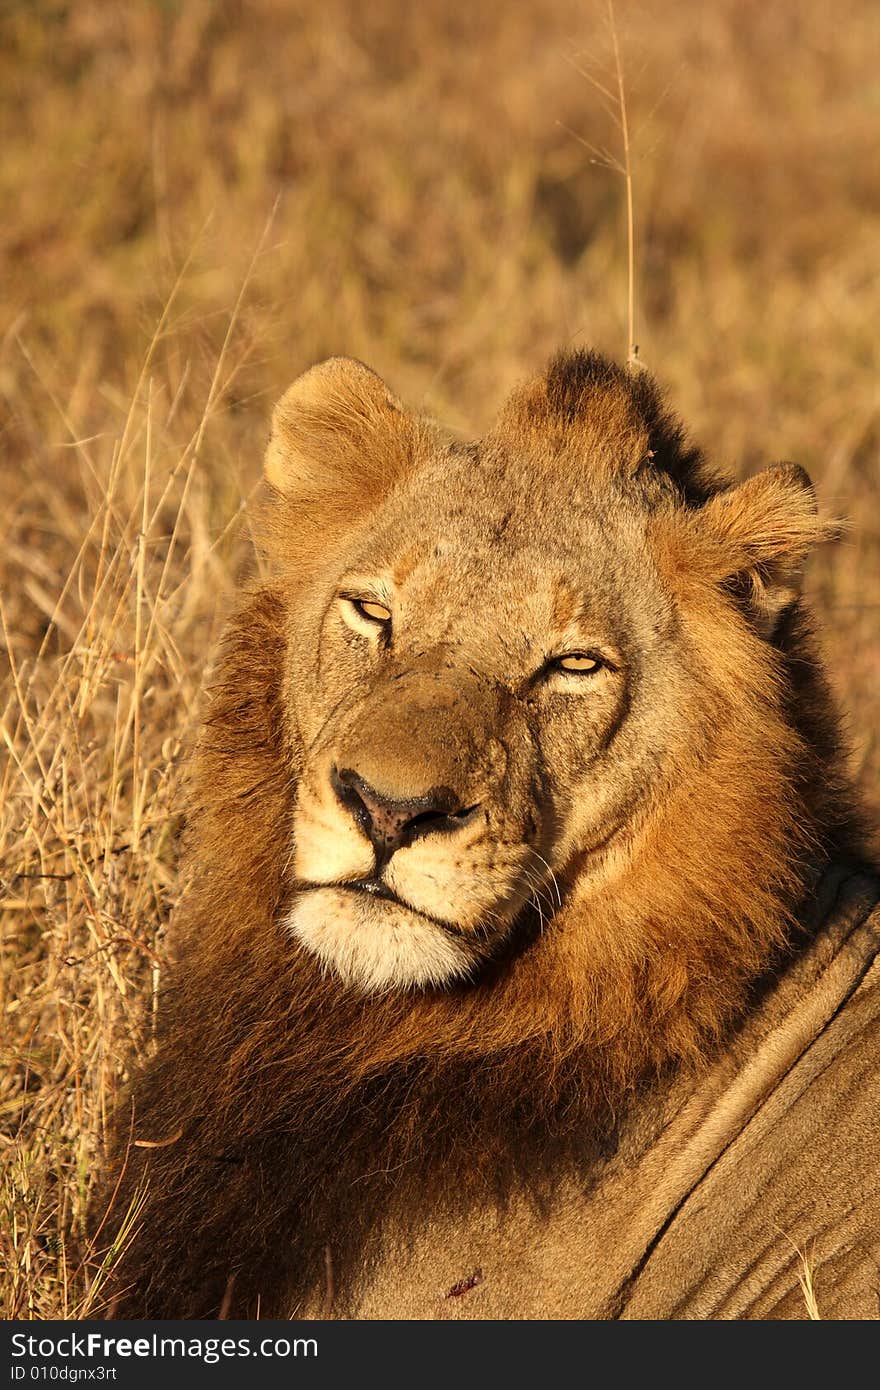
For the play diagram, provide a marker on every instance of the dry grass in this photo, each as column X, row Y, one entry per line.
column 436, row 216
column 805, row 1279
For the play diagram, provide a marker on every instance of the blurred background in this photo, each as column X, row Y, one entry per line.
column 203, row 198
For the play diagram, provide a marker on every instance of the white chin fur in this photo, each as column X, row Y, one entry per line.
column 374, row 944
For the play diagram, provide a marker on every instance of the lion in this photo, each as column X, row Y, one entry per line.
column 525, row 967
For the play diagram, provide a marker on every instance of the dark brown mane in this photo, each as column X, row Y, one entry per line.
column 584, row 395
column 575, row 379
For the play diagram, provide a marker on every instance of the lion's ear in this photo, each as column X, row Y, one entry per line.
column 756, row 538
column 339, row 439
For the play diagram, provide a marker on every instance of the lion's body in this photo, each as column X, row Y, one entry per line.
column 518, row 784
column 754, row 1194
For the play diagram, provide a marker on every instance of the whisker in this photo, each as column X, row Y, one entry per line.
column 553, row 878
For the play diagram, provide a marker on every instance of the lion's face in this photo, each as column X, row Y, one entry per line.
column 491, row 680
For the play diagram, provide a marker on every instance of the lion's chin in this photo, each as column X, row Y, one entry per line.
column 376, row 945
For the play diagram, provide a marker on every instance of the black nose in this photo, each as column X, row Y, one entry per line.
column 391, row 824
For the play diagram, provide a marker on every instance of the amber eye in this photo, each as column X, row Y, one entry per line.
column 369, row 610
column 577, row 663
column 368, row 617
column 374, row 612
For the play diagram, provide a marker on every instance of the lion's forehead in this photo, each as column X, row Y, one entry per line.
column 514, row 500
column 492, row 559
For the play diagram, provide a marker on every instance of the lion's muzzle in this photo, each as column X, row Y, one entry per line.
column 406, row 799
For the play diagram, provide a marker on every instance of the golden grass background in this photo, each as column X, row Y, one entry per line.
column 200, row 200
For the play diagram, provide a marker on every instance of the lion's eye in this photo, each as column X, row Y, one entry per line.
column 368, row 617
column 577, row 663
column 372, row 611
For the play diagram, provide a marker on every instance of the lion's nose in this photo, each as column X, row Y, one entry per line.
column 389, row 823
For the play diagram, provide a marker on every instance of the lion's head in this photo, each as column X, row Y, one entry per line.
column 506, row 660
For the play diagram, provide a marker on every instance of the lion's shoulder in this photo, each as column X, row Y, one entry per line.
column 717, row 1193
